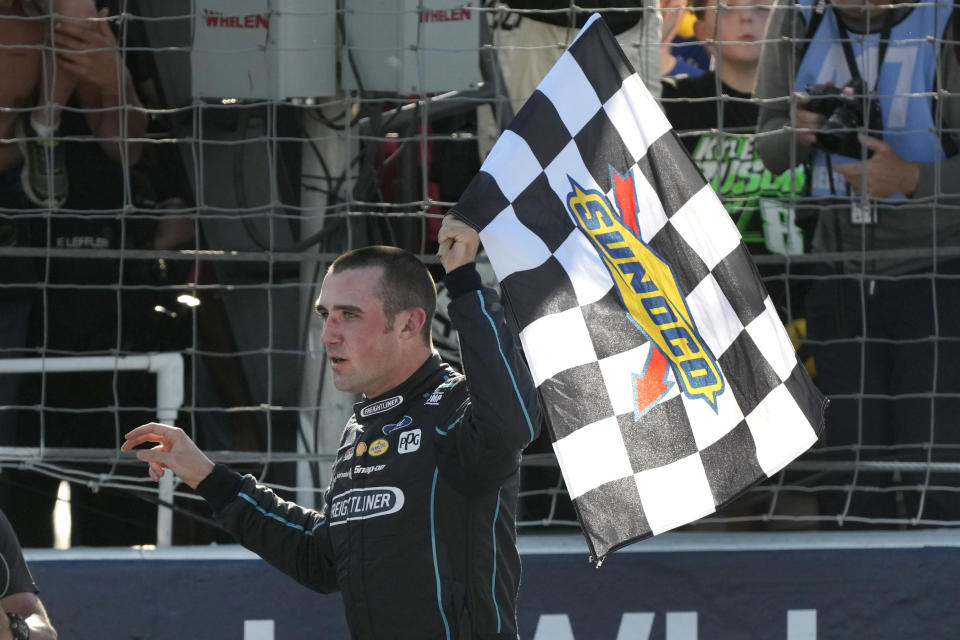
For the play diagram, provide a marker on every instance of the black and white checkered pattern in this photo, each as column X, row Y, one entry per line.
column 633, row 475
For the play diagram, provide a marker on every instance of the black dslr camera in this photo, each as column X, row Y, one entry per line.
column 843, row 108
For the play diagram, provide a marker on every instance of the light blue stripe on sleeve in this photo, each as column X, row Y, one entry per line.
column 433, row 544
column 449, row 427
column 280, row 519
column 513, row 380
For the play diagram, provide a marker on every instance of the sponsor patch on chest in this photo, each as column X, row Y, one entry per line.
column 409, row 441
column 380, row 406
column 362, row 504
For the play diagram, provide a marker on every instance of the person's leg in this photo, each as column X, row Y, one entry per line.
column 945, row 505
column 851, row 371
column 927, row 350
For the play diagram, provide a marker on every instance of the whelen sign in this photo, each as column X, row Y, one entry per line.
column 279, row 49
column 264, row 49
column 412, row 47
column 218, row 19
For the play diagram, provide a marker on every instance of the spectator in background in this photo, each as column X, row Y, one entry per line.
column 21, row 59
column 884, row 328
column 528, row 44
column 91, row 146
column 671, row 64
column 686, row 45
column 530, row 35
column 78, row 63
column 25, row 615
column 716, row 117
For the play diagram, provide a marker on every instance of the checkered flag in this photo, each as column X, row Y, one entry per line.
column 669, row 383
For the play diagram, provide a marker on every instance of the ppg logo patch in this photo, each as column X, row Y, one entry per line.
column 409, row 441
column 362, row 504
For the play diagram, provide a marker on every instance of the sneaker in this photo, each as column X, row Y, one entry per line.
column 44, row 173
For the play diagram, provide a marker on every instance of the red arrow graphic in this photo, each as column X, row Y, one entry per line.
column 626, row 196
column 652, row 384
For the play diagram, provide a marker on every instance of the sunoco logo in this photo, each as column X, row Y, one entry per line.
column 381, row 406
column 362, row 504
column 647, row 288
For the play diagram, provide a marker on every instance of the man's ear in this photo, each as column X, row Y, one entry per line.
column 412, row 321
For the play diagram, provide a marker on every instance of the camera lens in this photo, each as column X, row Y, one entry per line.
column 839, row 132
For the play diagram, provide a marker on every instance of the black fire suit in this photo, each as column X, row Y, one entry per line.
column 418, row 528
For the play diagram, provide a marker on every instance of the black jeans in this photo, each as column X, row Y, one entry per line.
column 887, row 352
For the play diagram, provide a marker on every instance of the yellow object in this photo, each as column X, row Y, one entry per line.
column 797, row 330
column 685, row 30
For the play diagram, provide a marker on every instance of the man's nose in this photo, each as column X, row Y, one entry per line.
column 329, row 333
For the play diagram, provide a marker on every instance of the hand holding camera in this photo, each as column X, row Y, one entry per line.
column 835, row 118
column 807, row 123
column 885, row 174
column 847, row 111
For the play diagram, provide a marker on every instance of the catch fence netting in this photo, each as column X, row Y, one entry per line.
column 175, row 178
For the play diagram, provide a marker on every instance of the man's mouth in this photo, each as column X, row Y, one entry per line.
column 335, row 360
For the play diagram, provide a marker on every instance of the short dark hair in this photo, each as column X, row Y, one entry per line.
column 404, row 283
column 697, row 6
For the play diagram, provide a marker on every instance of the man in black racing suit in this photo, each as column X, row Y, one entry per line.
column 418, row 529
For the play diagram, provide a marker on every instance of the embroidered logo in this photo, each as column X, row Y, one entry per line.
column 361, row 504
column 379, row 447
column 380, row 406
column 403, row 423
column 648, row 289
column 409, row 441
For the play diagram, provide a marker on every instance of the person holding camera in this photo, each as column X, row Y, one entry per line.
column 716, row 119
column 25, row 617
column 868, row 95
